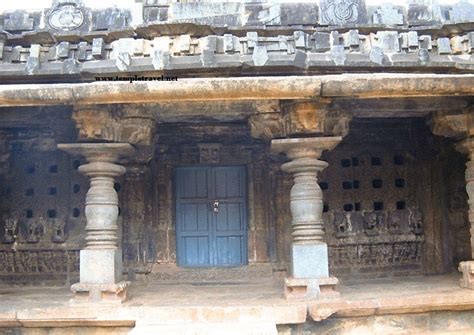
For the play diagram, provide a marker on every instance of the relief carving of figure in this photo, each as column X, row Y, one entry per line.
column 373, row 223
column 59, row 233
column 11, row 225
column 35, row 229
column 394, row 222
column 415, row 220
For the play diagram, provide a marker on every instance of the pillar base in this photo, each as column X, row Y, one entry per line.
column 309, row 288
column 100, row 266
column 99, row 293
column 467, row 269
column 309, row 260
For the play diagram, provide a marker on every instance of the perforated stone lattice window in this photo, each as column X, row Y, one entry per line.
column 46, row 187
column 366, row 182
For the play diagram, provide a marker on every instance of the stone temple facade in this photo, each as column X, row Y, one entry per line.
column 172, row 144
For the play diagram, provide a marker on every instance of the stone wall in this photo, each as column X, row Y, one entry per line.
column 394, row 201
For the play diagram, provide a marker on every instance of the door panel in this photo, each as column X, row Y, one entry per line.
column 208, row 236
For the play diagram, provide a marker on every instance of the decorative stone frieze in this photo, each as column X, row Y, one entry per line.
column 450, row 124
column 107, row 123
column 101, row 258
column 309, row 252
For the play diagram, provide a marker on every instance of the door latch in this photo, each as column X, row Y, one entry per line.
column 215, row 206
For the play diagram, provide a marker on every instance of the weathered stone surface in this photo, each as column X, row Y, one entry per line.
column 260, row 55
column 299, row 14
column 309, row 260
column 388, row 14
column 110, row 18
column 218, row 14
column 462, row 12
column 18, row 20
column 341, row 12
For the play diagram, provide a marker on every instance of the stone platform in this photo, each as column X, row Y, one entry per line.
column 210, row 308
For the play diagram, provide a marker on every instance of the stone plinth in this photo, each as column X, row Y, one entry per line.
column 101, row 259
column 309, row 252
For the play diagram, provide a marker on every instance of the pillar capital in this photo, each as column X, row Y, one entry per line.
column 455, row 124
column 99, row 152
column 126, row 124
column 300, row 117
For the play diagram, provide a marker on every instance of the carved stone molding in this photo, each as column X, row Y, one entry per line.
column 456, row 125
column 313, row 117
column 125, row 124
column 300, row 117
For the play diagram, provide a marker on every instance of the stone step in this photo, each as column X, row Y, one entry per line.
column 177, row 275
column 227, row 328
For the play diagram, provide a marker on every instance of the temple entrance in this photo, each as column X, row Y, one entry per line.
column 211, row 216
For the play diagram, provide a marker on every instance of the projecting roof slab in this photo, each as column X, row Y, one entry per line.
column 234, row 39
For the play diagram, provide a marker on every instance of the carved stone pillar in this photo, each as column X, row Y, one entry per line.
column 467, row 267
column 309, row 268
column 101, row 258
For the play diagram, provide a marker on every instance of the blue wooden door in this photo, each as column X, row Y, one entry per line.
column 211, row 216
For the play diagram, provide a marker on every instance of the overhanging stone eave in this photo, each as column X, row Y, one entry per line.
column 240, row 88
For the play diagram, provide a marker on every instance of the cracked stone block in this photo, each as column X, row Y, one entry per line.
column 321, row 42
column 123, row 61
column 444, row 46
column 262, row 14
column 424, row 56
column 18, row 20
column 300, row 40
column 35, row 50
column 376, row 55
column 419, row 14
column 82, row 51
column 110, row 18
column 160, row 59
column 351, row 39
column 252, row 39
column 208, row 13
column 342, row 12
column 70, row 66
column 457, row 45
column 181, row 44
column 413, row 41
column 470, row 42
column 388, row 41
column 32, row 65
column 98, row 48
column 299, row 14
column 388, row 14
column 335, row 38
column 462, row 12
column 338, row 55
column 260, row 55
column 425, row 42
column 62, row 50
column 228, row 42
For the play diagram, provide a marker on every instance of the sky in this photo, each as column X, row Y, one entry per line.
column 40, row 4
